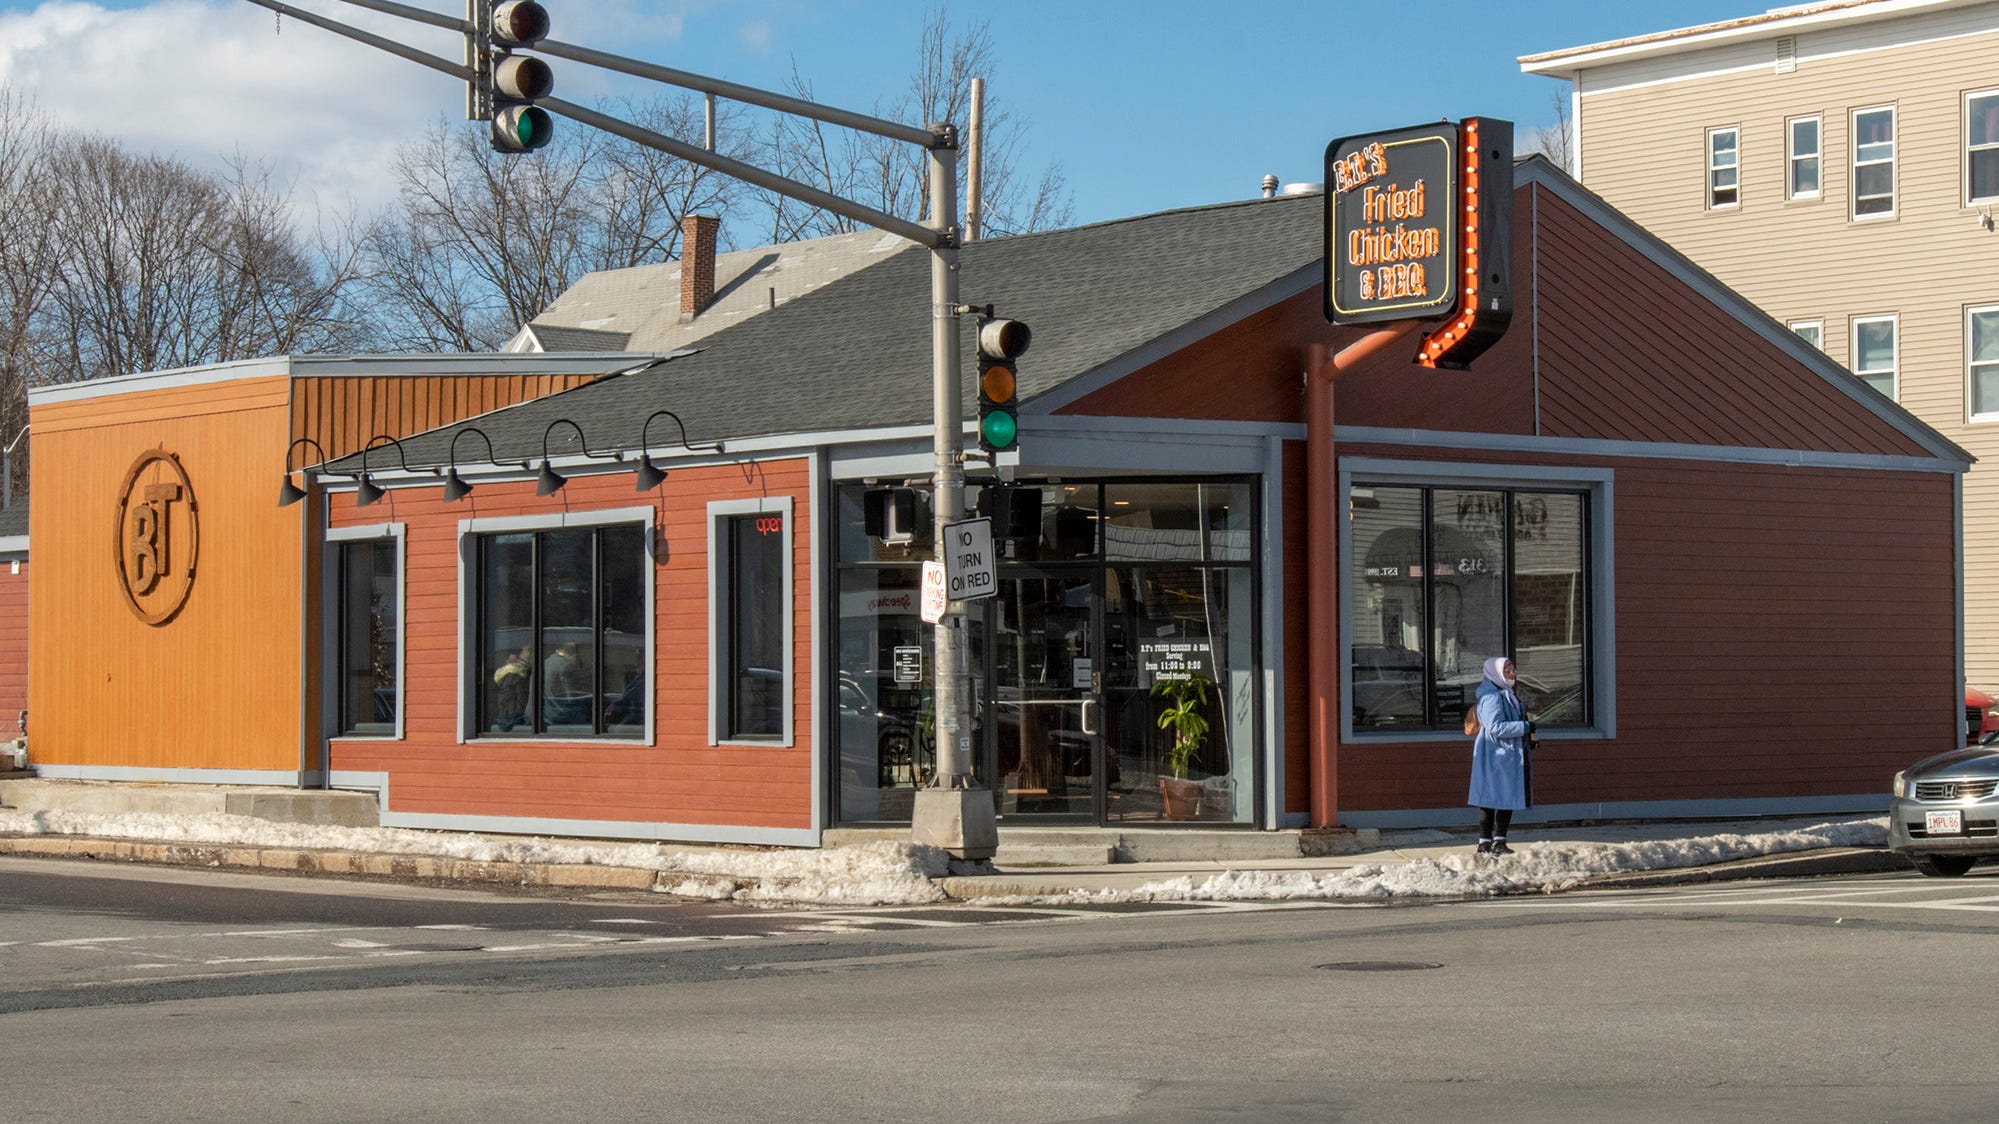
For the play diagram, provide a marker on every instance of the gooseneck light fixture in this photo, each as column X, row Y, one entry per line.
column 290, row 493
column 650, row 475
column 548, row 481
column 456, row 487
column 369, row 491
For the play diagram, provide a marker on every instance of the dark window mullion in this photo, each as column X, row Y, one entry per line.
column 1506, row 586
column 536, row 723
column 1428, row 515
column 597, row 631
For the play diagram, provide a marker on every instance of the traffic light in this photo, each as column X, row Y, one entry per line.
column 1000, row 343
column 517, row 81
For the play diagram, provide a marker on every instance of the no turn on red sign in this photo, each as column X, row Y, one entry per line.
column 969, row 570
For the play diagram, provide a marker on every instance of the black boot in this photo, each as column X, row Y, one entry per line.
column 1484, row 847
column 1499, row 846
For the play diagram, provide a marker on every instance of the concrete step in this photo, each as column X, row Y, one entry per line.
column 279, row 805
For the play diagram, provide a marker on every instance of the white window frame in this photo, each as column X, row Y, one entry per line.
column 469, row 530
column 1714, row 169
column 330, row 630
column 718, row 593
column 1792, row 156
column 1969, row 148
column 1970, row 368
column 1598, row 483
column 1894, row 371
column 1817, row 329
column 1855, row 163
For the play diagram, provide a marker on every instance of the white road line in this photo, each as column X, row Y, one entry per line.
column 266, row 959
column 78, row 942
column 454, row 928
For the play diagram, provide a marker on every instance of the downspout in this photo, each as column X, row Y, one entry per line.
column 1322, row 367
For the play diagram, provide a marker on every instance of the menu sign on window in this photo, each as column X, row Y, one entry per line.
column 1176, row 659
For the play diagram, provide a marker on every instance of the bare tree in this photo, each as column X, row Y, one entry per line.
column 1557, row 142
column 893, row 176
column 27, row 265
column 480, row 242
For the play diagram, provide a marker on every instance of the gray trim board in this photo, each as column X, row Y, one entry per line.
column 1273, row 632
column 265, row 778
column 1592, row 447
column 14, row 544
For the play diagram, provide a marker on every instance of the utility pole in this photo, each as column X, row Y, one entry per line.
column 951, row 813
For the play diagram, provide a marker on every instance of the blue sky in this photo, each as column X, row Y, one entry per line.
column 1145, row 106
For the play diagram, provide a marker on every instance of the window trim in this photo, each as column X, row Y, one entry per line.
column 1817, row 326
column 469, row 532
column 719, row 510
column 1894, row 371
column 330, row 629
column 1970, row 376
column 1894, row 162
column 1712, row 168
column 1792, row 156
column 1971, row 200
column 1597, row 483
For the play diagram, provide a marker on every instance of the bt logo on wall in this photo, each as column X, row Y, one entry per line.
column 158, row 537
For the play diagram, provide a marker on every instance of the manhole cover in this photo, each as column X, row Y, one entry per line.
column 1379, row 966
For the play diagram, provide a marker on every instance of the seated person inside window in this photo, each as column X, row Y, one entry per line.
column 510, row 690
column 565, row 687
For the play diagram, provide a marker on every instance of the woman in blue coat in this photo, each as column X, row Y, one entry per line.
column 1502, row 777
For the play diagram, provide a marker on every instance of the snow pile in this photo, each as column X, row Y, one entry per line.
column 879, row 873
column 1535, row 868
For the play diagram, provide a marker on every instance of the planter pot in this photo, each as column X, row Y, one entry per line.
column 1182, row 797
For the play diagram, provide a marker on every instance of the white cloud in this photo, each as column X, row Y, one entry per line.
column 205, row 80
column 758, row 35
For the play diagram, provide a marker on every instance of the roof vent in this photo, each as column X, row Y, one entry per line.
column 1787, row 54
column 1270, row 187
column 1304, row 189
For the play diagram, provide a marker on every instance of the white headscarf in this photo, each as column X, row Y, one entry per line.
column 1495, row 675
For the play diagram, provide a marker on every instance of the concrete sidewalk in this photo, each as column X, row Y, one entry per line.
column 1389, row 850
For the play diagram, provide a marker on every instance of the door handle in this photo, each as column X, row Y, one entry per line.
column 1089, row 712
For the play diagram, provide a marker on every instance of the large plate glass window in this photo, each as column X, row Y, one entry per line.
column 1874, row 352
column 1802, row 180
column 561, row 632
column 1873, row 162
column 1723, row 168
column 1444, row 578
column 368, row 641
column 1981, row 146
column 1982, row 348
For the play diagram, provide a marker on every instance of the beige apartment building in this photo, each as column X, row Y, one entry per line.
column 1838, row 164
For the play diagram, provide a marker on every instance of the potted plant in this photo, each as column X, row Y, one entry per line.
column 1186, row 701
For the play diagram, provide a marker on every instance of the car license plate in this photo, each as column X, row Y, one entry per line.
column 1944, row 823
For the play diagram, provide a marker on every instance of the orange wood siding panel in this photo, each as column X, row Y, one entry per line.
column 217, row 686
column 13, row 643
column 680, row 778
column 342, row 412
column 1780, row 632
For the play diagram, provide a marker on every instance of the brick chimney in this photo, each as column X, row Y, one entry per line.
column 697, row 263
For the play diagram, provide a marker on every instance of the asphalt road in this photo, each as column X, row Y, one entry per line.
column 175, row 995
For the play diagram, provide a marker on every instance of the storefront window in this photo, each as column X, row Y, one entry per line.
column 1115, row 671
column 1443, row 579
column 369, row 637
column 562, row 632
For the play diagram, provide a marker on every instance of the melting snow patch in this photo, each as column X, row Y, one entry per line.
column 879, row 873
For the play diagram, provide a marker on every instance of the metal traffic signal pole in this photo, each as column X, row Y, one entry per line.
column 951, row 813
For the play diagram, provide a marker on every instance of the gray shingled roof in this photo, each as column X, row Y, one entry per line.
column 14, row 519
column 855, row 354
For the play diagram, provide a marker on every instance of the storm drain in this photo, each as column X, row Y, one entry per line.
column 1379, row 966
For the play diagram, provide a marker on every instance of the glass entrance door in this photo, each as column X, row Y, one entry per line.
column 1042, row 701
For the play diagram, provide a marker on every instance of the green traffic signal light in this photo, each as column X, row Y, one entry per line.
column 522, row 128
column 998, row 431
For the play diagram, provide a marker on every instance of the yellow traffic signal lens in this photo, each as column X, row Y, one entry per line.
column 996, row 383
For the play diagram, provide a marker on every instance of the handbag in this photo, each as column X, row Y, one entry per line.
column 1472, row 726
